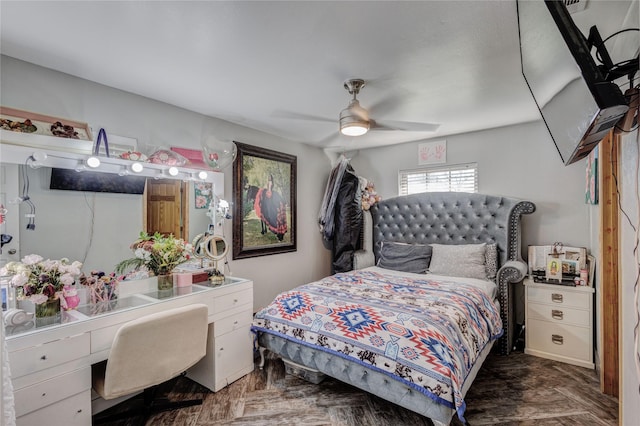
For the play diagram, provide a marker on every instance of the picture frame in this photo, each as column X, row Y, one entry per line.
column 264, row 202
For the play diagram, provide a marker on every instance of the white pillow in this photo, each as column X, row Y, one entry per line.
column 464, row 260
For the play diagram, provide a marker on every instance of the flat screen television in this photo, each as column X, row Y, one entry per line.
column 578, row 104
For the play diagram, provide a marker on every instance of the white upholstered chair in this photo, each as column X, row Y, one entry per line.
column 149, row 351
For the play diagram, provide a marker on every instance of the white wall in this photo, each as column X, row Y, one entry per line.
column 629, row 185
column 517, row 161
column 65, row 217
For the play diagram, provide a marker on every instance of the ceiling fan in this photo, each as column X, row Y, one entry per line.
column 355, row 121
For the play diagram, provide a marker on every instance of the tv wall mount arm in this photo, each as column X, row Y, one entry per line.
column 610, row 70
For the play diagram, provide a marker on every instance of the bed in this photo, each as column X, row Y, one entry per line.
column 428, row 300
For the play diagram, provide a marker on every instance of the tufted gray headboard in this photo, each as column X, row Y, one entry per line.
column 457, row 218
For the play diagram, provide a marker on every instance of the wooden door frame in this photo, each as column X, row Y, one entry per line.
column 608, row 276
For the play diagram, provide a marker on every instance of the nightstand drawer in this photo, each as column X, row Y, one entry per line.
column 559, row 314
column 567, row 341
column 560, row 297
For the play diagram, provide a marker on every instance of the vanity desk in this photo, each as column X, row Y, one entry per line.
column 51, row 365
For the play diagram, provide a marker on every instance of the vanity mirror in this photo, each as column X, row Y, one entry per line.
column 213, row 248
column 95, row 228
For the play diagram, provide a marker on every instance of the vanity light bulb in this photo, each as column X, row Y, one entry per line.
column 93, row 162
column 203, row 175
column 137, row 167
column 173, row 171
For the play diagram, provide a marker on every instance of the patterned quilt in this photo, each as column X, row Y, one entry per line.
column 425, row 333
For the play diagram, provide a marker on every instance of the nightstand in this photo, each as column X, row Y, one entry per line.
column 559, row 322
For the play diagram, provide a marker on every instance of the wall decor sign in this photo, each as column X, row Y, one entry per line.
column 264, row 208
column 591, row 178
column 203, row 194
column 434, row 152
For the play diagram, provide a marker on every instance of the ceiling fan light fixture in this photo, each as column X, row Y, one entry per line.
column 353, row 120
column 354, row 129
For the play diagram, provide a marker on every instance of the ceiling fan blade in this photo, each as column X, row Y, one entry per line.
column 408, row 126
column 300, row 116
column 331, row 140
column 387, row 105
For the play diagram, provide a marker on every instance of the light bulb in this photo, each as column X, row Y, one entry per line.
column 354, row 130
column 173, row 171
column 203, row 175
column 137, row 167
column 93, row 162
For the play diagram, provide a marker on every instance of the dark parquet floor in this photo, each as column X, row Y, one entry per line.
column 515, row 390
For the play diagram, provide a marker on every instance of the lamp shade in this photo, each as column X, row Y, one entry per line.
column 354, row 120
column 218, row 153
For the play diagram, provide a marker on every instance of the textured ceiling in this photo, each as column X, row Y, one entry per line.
column 266, row 65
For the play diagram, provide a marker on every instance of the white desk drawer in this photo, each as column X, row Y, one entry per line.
column 559, row 314
column 102, row 338
column 568, row 341
column 53, row 390
column 560, row 297
column 233, row 322
column 49, row 354
column 73, row 411
column 232, row 300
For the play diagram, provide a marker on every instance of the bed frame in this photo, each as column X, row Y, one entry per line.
column 442, row 218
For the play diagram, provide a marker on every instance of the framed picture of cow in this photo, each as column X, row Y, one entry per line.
column 264, row 208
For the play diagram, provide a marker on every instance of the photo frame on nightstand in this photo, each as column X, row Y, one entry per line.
column 556, row 263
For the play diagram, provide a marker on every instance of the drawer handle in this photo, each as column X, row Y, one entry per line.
column 43, row 357
column 221, row 349
column 235, row 300
column 44, row 394
column 235, row 322
column 556, row 297
column 557, row 314
column 557, row 339
column 79, row 411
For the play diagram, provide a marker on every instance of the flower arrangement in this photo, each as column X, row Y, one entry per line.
column 369, row 194
column 157, row 253
column 42, row 280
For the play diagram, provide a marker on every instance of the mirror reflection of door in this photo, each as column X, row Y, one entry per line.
column 165, row 209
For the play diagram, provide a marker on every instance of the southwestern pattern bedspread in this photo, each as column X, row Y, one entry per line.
column 423, row 332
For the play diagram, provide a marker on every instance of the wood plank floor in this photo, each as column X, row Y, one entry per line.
column 515, row 390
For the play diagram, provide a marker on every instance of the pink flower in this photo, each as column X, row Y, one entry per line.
column 32, row 259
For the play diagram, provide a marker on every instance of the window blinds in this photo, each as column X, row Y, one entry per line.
column 455, row 178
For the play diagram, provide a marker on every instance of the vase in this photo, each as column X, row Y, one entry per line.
column 48, row 312
column 165, row 282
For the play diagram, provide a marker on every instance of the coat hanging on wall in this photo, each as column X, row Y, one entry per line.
column 340, row 217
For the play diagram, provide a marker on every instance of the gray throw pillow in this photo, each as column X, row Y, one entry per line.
column 465, row 260
column 405, row 257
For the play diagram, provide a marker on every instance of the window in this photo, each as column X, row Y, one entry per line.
column 456, row 178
